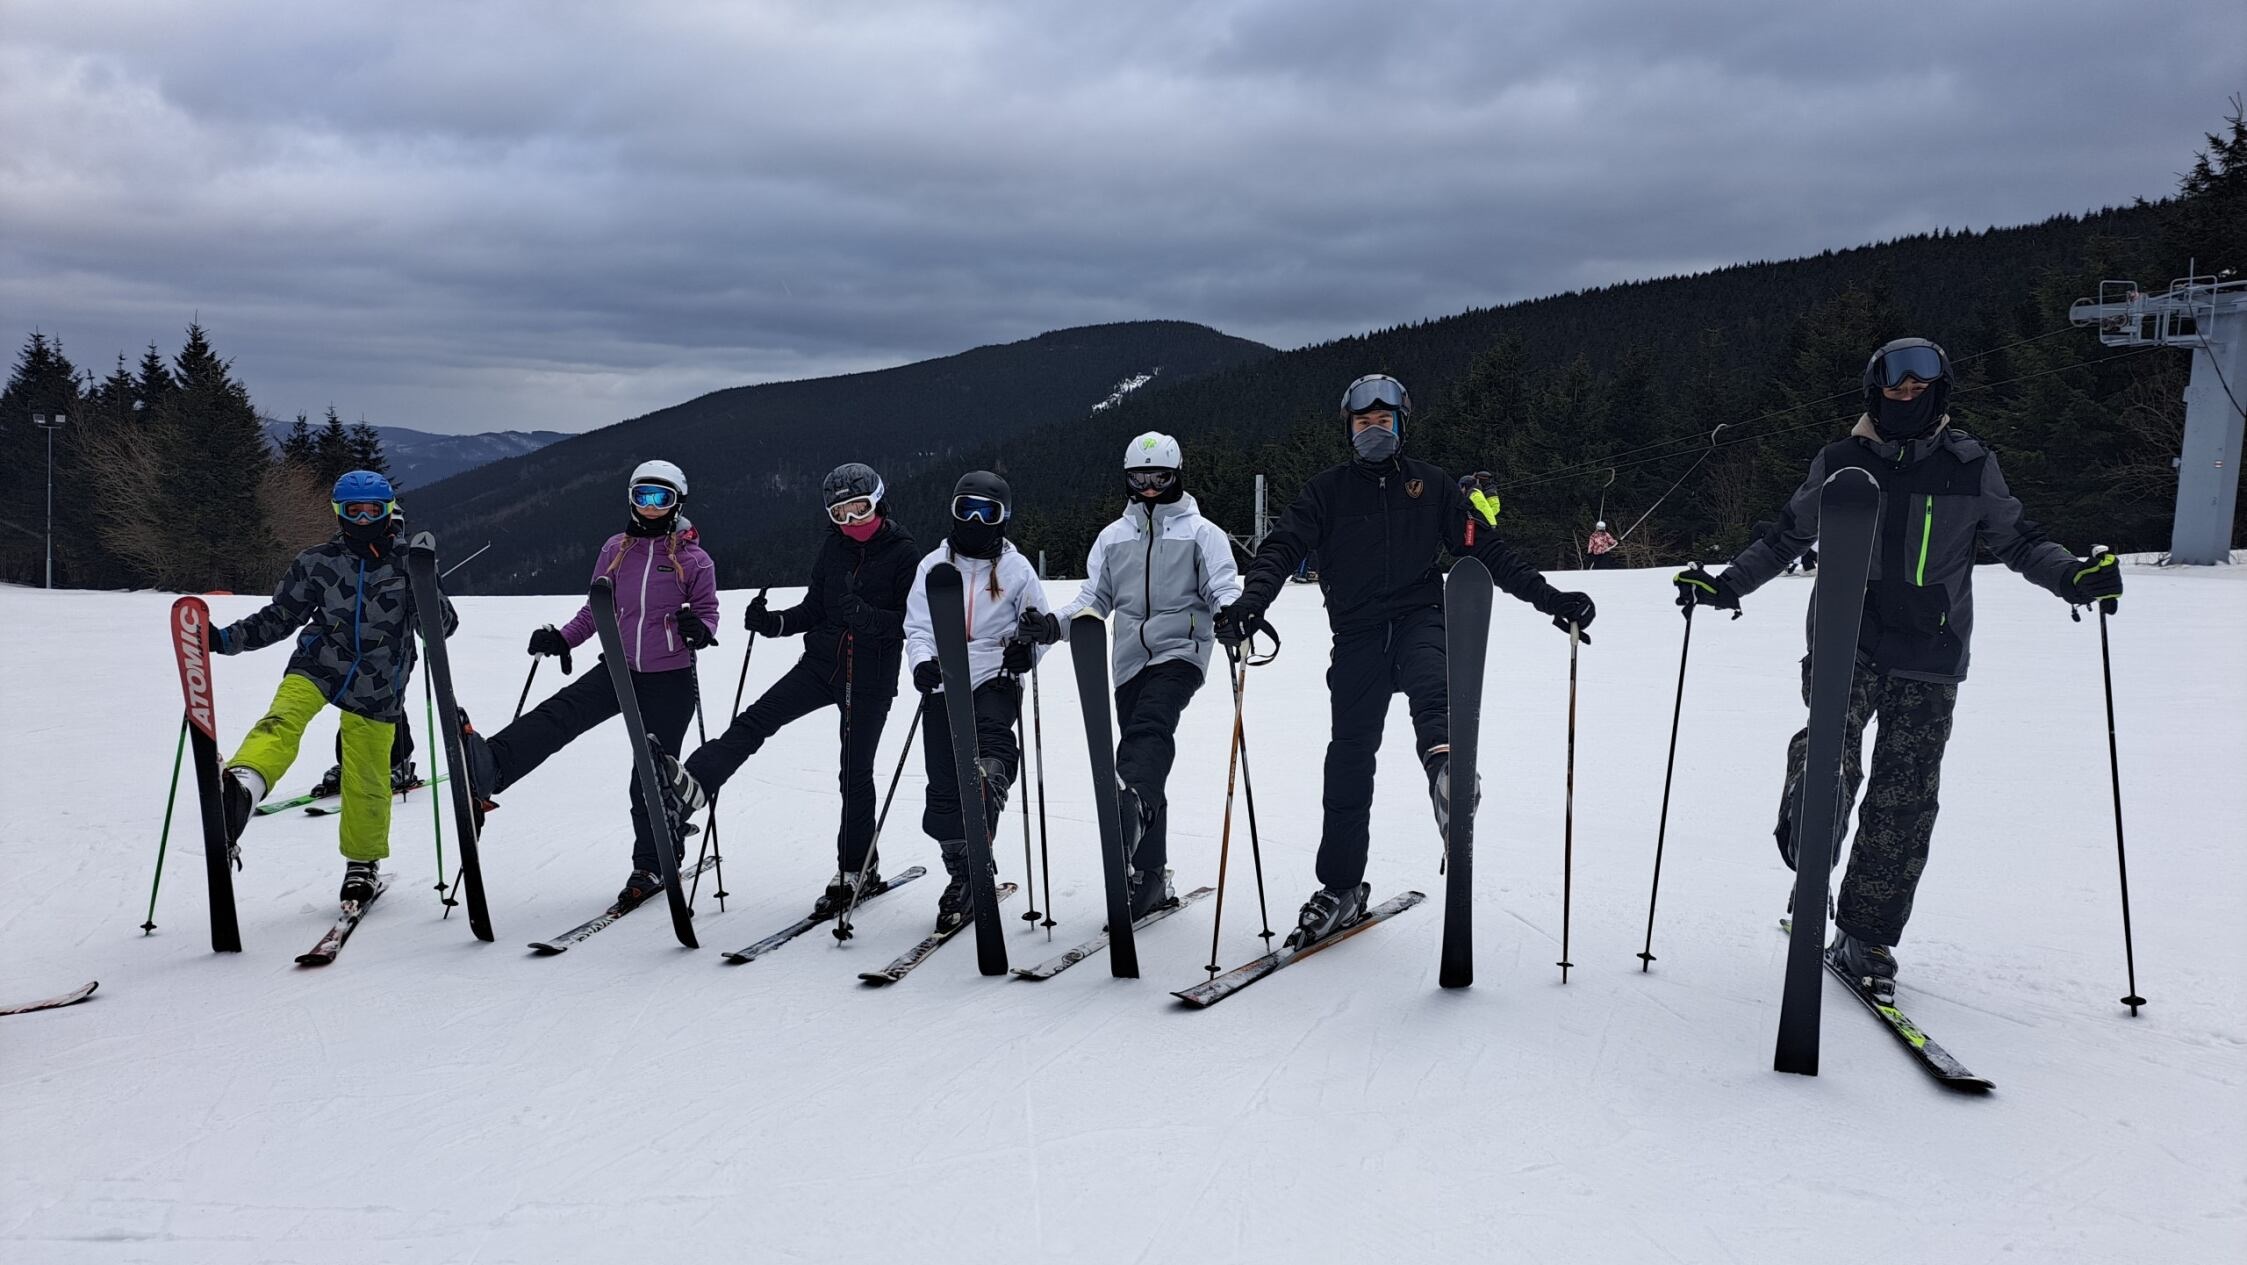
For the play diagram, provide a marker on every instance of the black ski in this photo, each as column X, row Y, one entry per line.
column 1466, row 631
column 191, row 628
column 584, row 931
column 1937, row 1061
column 1210, row 992
column 1054, row 966
column 71, row 998
column 332, row 943
column 1848, row 522
column 918, row 954
column 947, row 612
column 321, row 807
column 1088, row 646
column 603, row 601
column 808, row 921
column 429, row 614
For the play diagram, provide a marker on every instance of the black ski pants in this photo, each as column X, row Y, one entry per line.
column 666, row 706
column 998, row 702
column 1147, row 710
column 1404, row 655
column 800, row 691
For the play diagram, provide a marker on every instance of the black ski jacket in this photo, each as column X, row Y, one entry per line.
column 880, row 572
column 1379, row 531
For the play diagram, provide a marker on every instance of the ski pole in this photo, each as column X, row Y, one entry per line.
column 1045, row 854
column 1029, row 866
column 2114, row 773
column 436, row 810
column 1568, row 815
column 1225, row 832
column 1661, row 831
column 842, row 925
column 1248, row 793
column 164, row 838
column 710, row 846
column 525, row 696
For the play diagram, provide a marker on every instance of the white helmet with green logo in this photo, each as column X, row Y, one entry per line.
column 1153, row 451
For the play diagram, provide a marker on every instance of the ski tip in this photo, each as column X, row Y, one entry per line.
column 313, row 959
column 877, row 978
column 546, row 950
column 944, row 574
column 422, row 542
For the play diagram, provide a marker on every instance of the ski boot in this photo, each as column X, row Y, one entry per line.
column 403, row 778
column 642, row 884
column 358, row 881
column 952, row 907
column 845, row 888
column 679, row 786
column 238, row 799
column 997, row 778
column 1872, row 966
column 1133, row 817
column 1329, row 910
column 1150, row 890
column 1439, row 789
column 483, row 770
column 330, row 783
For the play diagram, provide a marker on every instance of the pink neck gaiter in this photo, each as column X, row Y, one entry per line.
column 863, row 531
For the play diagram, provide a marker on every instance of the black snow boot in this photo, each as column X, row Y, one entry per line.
column 1871, row 965
column 1327, row 912
column 846, row 887
column 330, row 783
column 234, row 795
column 642, row 884
column 359, row 879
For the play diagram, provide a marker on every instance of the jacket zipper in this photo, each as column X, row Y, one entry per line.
column 640, row 632
column 1147, row 584
column 1926, row 530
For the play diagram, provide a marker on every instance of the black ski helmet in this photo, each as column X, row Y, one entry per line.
column 1890, row 365
column 976, row 534
column 851, row 481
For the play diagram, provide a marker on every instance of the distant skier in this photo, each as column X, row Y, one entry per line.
column 852, row 620
column 666, row 606
column 1164, row 571
column 1000, row 585
column 1601, row 547
column 351, row 612
column 1942, row 495
column 1378, row 522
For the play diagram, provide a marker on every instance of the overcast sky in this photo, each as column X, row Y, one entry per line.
column 550, row 214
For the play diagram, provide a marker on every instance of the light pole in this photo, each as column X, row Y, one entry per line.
column 50, row 423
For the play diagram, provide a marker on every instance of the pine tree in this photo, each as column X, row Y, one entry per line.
column 333, row 448
column 45, row 383
column 156, row 387
column 218, row 458
column 298, row 447
column 364, row 444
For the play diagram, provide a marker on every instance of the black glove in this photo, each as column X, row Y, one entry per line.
column 216, row 641
column 1017, row 658
column 2098, row 578
column 549, row 640
column 928, row 677
column 692, row 630
column 757, row 619
column 858, row 614
column 1039, row 626
column 1238, row 622
column 1572, row 608
column 1696, row 587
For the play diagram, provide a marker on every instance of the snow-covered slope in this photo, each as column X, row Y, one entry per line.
column 429, row 1098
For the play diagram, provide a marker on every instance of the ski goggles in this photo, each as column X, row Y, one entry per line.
column 364, row 512
column 1150, row 480
column 1376, row 391
column 654, row 496
column 1923, row 363
column 979, row 509
column 855, row 510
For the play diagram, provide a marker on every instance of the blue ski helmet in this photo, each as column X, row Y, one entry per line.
column 363, row 485
column 365, row 505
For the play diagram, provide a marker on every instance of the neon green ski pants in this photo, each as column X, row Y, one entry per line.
column 271, row 746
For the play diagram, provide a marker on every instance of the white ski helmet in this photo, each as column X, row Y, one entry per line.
column 1153, row 451
column 662, row 472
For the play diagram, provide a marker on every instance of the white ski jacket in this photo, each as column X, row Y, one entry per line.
column 991, row 621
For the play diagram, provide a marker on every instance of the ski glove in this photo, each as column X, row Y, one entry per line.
column 1017, row 658
column 216, row 641
column 1572, row 608
column 2098, row 578
column 692, row 630
column 758, row 619
column 549, row 640
column 858, row 614
column 928, row 676
column 1238, row 622
column 1039, row 626
column 1696, row 587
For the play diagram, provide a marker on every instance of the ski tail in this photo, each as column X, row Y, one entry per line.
column 947, row 605
column 190, row 630
column 1088, row 648
column 1466, row 621
column 429, row 614
column 603, row 601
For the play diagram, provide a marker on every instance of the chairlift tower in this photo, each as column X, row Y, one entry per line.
column 2208, row 316
column 1259, row 528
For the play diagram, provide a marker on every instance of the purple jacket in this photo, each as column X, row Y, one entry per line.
column 654, row 577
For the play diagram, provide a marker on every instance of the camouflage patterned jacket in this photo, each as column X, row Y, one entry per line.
column 353, row 616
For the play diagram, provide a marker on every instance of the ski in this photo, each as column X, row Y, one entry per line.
column 806, row 923
column 1052, row 967
column 191, row 631
column 1937, row 1061
column 584, row 931
column 1088, row 647
column 947, row 610
column 272, row 806
column 603, row 601
column 322, row 808
column 71, row 998
column 918, row 954
column 1210, row 992
column 1848, row 523
column 332, row 943
column 429, row 616
column 1466, row 630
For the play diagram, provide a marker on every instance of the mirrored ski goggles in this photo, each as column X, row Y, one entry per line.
column 844, row 513
column 1150, row 480
column 1378, row 391
column 1923, row 363
column 654, row 496
column 979, row 509
column 364, row 512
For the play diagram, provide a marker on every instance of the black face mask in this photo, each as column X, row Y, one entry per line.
column 1898, row 420
column 977, row 540
column 368, row 537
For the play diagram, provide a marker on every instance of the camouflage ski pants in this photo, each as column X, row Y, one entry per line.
column 1897, row 818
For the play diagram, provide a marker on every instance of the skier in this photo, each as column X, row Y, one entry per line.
column 349, row 607
column 853, row 623
column 666, row 606
column 1165, row 571
column 1601, row 546
column 1942, row 495
column 1378, row 521
column 1000, row 584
